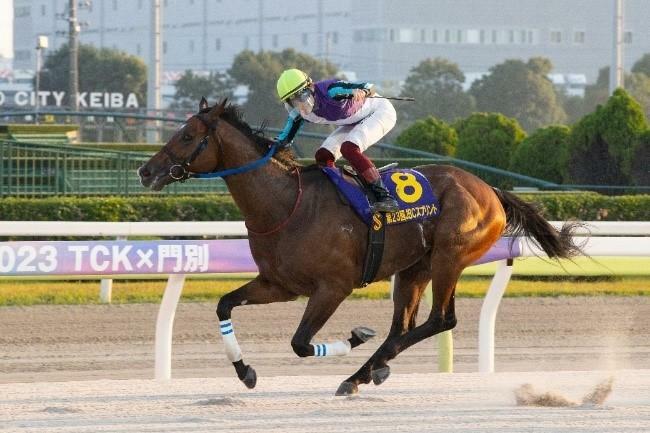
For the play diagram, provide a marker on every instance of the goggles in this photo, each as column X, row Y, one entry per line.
column 303, row 101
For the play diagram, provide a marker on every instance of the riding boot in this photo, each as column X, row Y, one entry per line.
column 385, row 202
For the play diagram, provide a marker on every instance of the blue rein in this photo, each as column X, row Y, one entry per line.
column 242, row 169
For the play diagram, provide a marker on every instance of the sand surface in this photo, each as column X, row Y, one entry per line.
column 463, row 402
column 58, row 366
column 55, row 343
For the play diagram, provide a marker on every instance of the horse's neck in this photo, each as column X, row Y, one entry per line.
column 264, row 195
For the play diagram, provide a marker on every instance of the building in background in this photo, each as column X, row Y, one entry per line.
column 576, row 35
column 379, row 40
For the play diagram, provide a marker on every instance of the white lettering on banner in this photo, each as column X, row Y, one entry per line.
column 81, row 98
column 120, row 257
column 187, row 258
column 95, row 100
column 117, row 100
column 145, row 258
column 78, row 251
column 28, row 253
column 28, row 259
column 94, row 258
column 86, row 99
column 131, row 101
column 7, row 259
column 21, row 98
column 58, row 98
column 170, row 252
column 43, row 96
column 197, row 258
column 50, row 261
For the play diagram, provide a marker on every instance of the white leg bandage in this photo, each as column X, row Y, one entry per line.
column 230, row 341
column 338, row 348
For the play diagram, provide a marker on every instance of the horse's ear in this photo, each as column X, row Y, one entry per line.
column 218, row 109
column 203, row 104
column 222, row 105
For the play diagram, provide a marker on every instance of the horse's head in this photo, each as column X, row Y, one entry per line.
column 192, row 149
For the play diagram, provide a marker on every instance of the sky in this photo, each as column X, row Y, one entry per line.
column 6, row 28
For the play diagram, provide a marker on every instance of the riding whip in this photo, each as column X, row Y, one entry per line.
column 395, row 98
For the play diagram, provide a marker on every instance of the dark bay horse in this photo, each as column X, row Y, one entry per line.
column 307, row 242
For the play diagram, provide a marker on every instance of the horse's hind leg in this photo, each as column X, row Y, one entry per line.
column 257, row 291
column 442, row 317
column 409, row 287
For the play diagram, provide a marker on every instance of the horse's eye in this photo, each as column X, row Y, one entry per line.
column 187, row 137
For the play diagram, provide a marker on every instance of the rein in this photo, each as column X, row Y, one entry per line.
column 282, row 224
column 180, row 170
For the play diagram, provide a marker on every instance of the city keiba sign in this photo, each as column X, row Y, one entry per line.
column 86, row 99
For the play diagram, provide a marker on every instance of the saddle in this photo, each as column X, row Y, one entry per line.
column 414, row 196
column 411, row 189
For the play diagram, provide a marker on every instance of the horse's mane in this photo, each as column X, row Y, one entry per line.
column 234, row 115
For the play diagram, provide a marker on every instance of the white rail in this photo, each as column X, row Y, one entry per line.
column 97, row 229
column 622, row 246
column 618, row 242
column 233, row 228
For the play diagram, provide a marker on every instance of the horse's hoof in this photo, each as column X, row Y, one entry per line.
column 364, row 334
column 380, row 375
column 347, row 388
column 250, row 380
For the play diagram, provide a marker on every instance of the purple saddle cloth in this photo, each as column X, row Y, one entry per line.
column 409, row 187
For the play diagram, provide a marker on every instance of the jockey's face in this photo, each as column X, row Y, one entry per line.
column 303, row 101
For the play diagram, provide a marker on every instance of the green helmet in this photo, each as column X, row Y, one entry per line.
column 291, row 82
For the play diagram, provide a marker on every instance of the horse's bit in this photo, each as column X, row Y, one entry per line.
column 179, row 169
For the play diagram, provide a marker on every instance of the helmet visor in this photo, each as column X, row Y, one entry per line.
column 303, row 101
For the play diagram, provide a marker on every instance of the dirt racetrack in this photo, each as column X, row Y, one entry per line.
column 63, row 355
column 59, row 343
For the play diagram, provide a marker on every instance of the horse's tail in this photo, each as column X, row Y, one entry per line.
column 525, row 219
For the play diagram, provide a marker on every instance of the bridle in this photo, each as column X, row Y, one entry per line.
column 184, row 164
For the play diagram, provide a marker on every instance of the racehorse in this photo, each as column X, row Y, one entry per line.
column 307, row 242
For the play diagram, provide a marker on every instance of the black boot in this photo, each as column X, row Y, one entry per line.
column 385, row 202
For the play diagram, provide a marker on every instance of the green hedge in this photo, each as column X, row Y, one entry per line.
column 555, row 206
column 151, row 208
column 29, row 128
column 591, row 206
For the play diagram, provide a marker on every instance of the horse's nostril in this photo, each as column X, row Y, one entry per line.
column 144, row 172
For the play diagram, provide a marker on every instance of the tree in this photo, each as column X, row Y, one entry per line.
column 543, row 154
column 429, row 135
column 637, row 84
column 191, row 87
column 642, row 66
column 520, row 90
column 488, row 138
column 603, row 143
column 260, row 71
column 100, row 70
column 640, row 171
column 597, row 93
column 437, row 85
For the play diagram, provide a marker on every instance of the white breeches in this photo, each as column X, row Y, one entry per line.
column 380, row 119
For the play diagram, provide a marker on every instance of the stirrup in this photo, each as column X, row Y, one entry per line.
column 388, row 204
column 387, row 167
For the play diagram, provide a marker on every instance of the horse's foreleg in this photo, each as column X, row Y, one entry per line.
column 320, row 307
column 409, row 287
column 257, row 291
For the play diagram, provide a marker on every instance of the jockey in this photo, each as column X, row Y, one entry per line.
column 361, row 123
